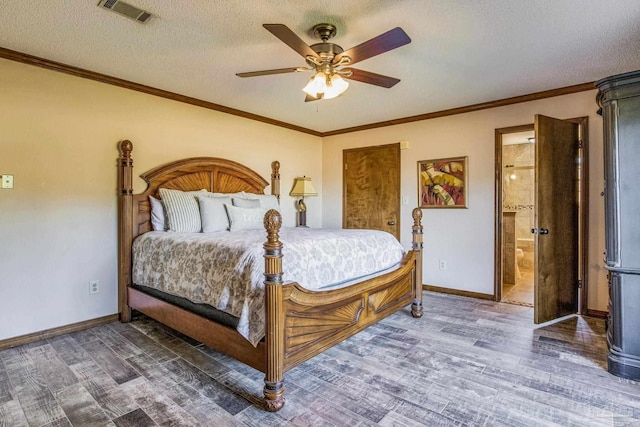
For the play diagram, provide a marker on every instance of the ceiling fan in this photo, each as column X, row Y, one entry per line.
column 330, row 63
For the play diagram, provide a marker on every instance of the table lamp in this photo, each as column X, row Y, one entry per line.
column 302, row 187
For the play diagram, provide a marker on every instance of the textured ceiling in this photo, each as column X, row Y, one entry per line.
column 463, row 52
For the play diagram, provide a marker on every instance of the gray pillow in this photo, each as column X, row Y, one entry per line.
column 246, row 203
column 267, row 201
column 213, row 214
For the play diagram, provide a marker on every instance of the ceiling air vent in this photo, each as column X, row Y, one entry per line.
column 125, row 9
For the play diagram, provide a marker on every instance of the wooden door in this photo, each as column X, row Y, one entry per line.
column 371, row 195
column 556, row 219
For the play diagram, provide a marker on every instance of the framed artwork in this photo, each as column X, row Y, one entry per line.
column 442, row 183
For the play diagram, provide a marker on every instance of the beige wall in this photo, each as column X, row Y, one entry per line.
column 464, row 238
column 58, row 225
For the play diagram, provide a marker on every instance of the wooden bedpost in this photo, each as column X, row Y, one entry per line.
column 125, row 206
column 275, row 179
column 274, row 316
column 416, row 230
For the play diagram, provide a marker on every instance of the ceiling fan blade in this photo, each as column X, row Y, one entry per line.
column 371, row 78
column 290, row 39
column 267, row 72
column 377, row 45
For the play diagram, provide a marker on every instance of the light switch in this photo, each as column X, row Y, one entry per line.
column 405, row 200
column 7, row 181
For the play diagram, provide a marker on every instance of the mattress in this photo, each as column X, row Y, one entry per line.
column 226, row 269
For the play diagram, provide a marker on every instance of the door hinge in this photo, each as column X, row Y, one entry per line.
column 579, row 284
column 580, row 144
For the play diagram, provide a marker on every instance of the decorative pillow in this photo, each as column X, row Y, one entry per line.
column 267, row 201
column 245, row 218
column 158, row 216
column 213, row 214
column 183, row 212
column 246, row 203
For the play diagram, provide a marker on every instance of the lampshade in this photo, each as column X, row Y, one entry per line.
column 303, row 187
column 336, row 86
column 316, row 85
column 325, row 86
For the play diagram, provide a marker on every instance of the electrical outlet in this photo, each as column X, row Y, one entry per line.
column 443, row 264
column 7, row 181
column 94, row 287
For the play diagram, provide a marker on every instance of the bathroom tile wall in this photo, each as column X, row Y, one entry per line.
column 518, row 188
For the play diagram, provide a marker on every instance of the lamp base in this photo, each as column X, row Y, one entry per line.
column 302, row 219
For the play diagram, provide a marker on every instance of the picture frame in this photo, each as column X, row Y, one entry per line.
column 442, row 183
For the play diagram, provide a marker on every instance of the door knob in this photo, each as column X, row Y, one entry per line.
column 534, row 231
column 391, row 222
column 544, row 231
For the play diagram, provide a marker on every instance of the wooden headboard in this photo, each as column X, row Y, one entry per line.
column 210, row 173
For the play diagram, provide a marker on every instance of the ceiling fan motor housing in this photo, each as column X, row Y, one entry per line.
column 326, row 52
column 324, row 31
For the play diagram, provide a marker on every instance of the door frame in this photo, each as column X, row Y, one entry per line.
column 583, row 206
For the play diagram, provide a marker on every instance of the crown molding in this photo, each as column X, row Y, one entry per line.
column 103, row 78
column 471, row 108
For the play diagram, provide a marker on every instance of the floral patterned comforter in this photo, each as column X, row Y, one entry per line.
column 225, row 269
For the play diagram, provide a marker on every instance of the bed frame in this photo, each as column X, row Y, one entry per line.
column 299, row 323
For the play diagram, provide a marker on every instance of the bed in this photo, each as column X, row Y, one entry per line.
column 298, row 323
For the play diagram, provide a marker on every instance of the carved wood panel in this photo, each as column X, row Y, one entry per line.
column 397, row 292
column 371, row 193
column 310, row 326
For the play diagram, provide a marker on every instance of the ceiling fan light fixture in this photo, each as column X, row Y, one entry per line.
column 325, row 86
column 336, row 86
column 317, row 85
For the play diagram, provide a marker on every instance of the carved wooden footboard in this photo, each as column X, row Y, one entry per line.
column 303, row 323
column 299, row 323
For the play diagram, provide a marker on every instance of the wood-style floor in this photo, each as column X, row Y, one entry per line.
column 466, row 362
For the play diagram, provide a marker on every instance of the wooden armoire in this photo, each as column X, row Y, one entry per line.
column 619, row 99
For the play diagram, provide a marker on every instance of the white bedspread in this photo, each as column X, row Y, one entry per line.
column 225, row 269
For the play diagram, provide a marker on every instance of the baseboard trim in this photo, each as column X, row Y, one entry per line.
column 54, row 332
column 458, row 292
column 599, row 314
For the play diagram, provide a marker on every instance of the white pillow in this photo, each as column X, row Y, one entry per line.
column 245, row 218
column 158, row 216
column 213, row 214
column 183, row 212
column 246, row 203
column 267, row 201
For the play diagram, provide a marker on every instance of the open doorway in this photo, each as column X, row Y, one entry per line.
column 518, row 217
column 541, row 213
